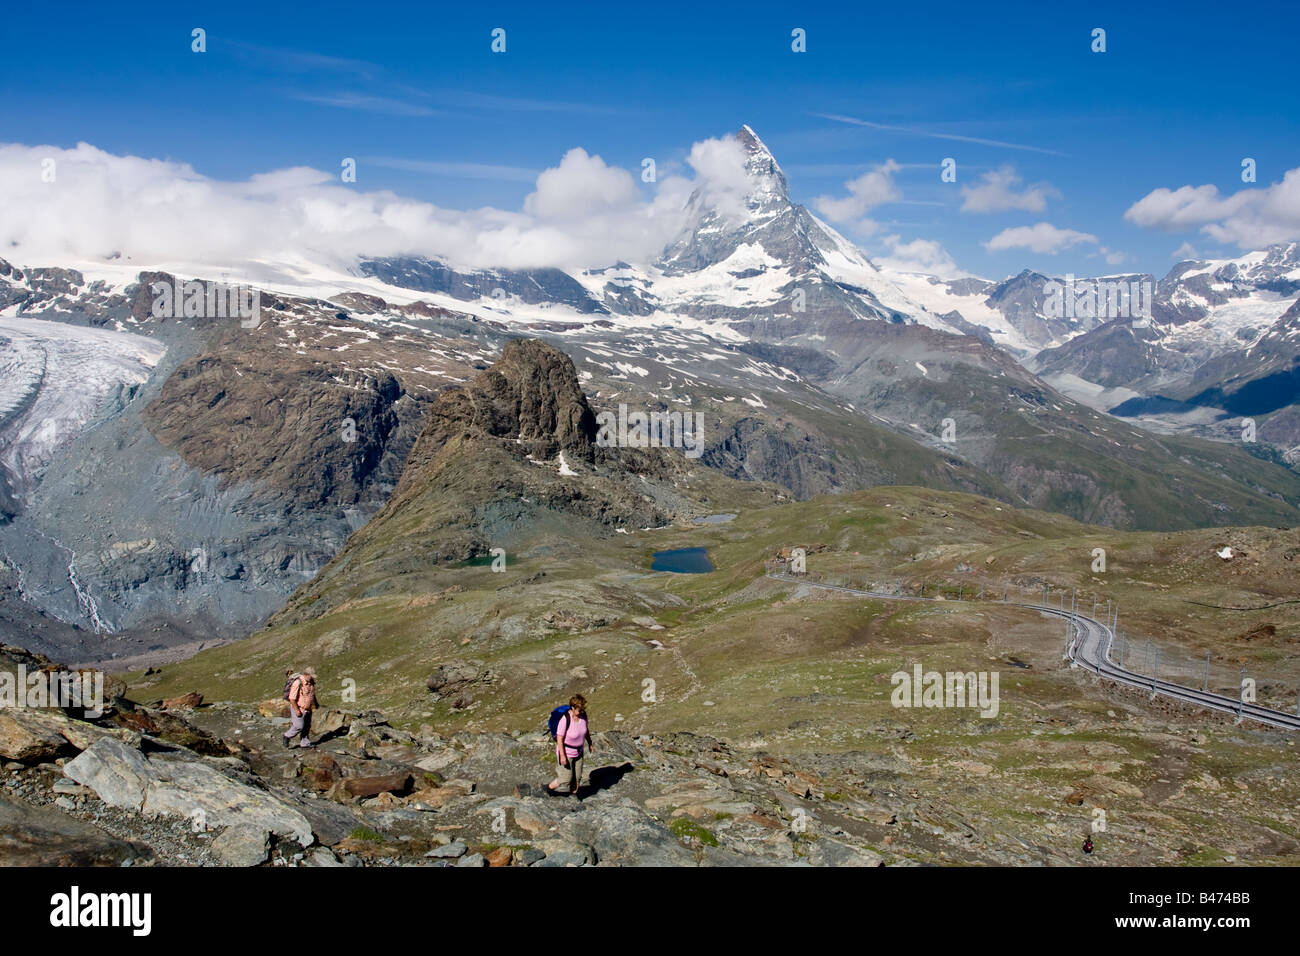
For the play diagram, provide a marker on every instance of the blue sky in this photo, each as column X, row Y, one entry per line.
column 1182, row 94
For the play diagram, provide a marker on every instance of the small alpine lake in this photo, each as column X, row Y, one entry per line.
column 683, row 561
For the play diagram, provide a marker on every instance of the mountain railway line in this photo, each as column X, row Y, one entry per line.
column 1090, row 647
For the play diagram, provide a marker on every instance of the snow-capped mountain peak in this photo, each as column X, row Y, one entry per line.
column 762, row 167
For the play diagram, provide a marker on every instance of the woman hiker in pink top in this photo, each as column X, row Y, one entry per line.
column 570, row 737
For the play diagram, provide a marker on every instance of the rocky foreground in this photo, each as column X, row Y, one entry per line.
column 186, row 783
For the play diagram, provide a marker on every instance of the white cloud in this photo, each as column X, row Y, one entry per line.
column 579, row 187
column 996, row 192
column 1185, row 251
column 582, row 213
column 1251, row 218
column 867, row 191
column 1042, row 237
column 1112, row 256
column 722, row 175
column 920, row 255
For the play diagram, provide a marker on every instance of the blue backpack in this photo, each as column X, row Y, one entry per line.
column 553, row 723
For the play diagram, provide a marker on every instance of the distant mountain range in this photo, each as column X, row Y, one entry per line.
column 170, row 479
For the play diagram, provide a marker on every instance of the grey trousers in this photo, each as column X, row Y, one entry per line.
column 299, row 724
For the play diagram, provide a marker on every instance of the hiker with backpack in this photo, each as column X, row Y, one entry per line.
column 300, row 692
column 572, row 735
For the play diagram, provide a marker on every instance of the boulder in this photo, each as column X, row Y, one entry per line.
column 118, row 774
column 18, row 723
column 373, row 786
column 275, row 707
column 473, row 859
column 449, row 851
column 326, row 720
column 172, row 728
column 436, row 763
column 400, row 753
column 826, row 851
column 369, row 849
column 242, row 845
column 39, row 836
column 192, row 789
column 694, row 794
column 28, row 738
column 320, row 771
column 499, row 857
column 533, row 815
column 434, row 798
column 455, row 678
column 331, row 822
column 184, row 702
column 625, row 835
column 182, row 786
column 81, row 734
column 528, row 856
column 385, row 801
column 322, row 857
column 721, row 856
column 715, row 809
column 561, row 853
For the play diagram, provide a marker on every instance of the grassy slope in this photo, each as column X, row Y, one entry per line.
column 731, row 628
column 778, row 667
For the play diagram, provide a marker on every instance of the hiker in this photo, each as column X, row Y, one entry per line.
column 571, row 734
column 1087, row 845
column 302, row 701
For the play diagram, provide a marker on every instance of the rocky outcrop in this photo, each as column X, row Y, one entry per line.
column 454, row 679
column 32, row 835
column 371, row 797
column 509, row 453
column 313, row 433
column 531, row 395
column 160, row 785
column 27, row 739
column 243, row 844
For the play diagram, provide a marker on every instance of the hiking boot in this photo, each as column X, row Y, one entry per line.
column 285, row 741
column 306, row 743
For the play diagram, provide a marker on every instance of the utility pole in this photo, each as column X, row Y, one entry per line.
column 960, row 590
column 1094, row 605
column 1241, row 696
column 1205, row 684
